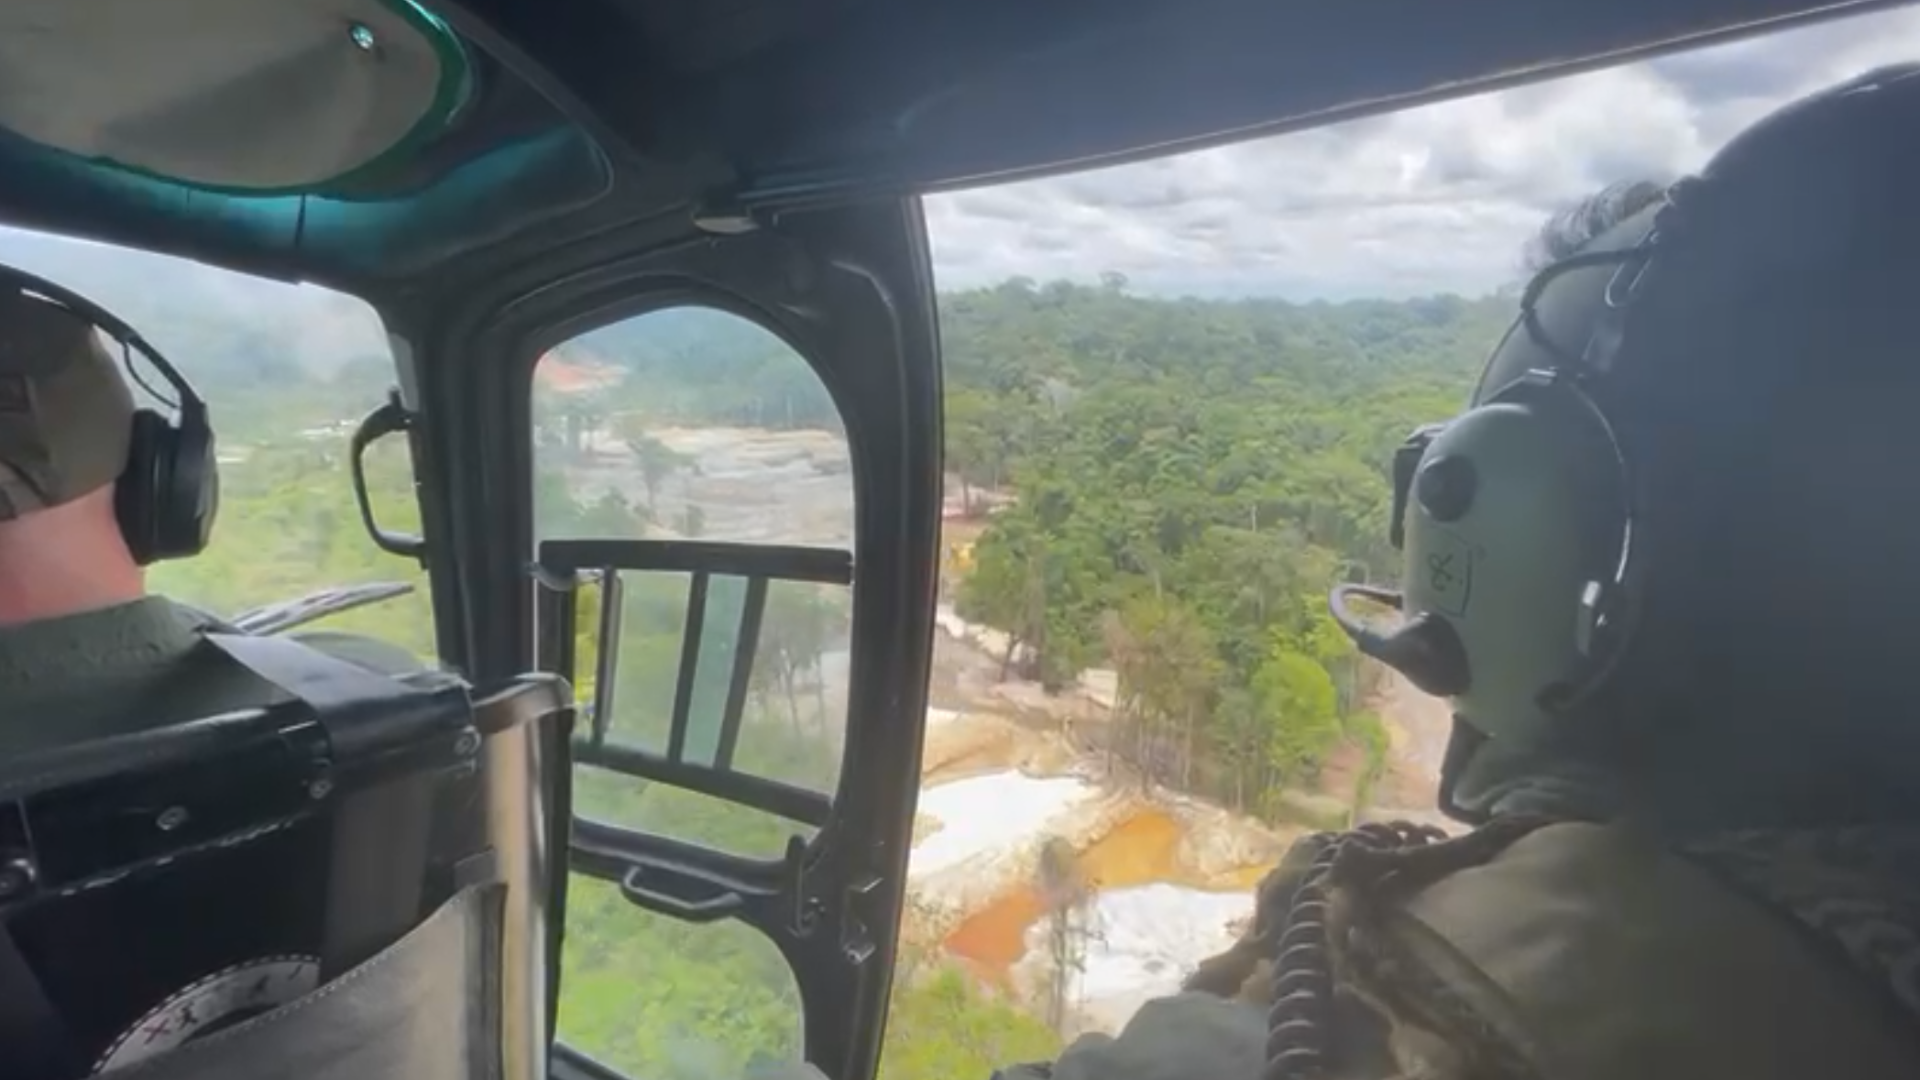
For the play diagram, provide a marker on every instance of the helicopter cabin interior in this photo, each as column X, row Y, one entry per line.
column 496, row 178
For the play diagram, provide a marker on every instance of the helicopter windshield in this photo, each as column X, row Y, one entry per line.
column 287, row 372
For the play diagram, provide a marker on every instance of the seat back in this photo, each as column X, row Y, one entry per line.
column 285, row 892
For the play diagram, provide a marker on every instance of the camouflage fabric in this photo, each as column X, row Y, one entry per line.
column 1536, row 949
column 1584, row 950
column 65, row 412
column 1186, row 1036
column 1853, row 891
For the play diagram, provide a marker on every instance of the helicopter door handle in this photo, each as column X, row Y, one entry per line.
column 719, row 903
column 389, row 419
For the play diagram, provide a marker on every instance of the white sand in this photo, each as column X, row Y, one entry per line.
column 1145, row 940
column 984, row 816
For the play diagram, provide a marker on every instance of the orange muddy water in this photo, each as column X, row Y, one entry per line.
column 1141, row 850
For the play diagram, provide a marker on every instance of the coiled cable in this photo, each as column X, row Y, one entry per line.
column 1299, row 1029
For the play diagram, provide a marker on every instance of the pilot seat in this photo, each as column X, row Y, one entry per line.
column 349, row 886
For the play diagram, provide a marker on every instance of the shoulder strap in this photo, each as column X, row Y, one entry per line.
column 359, row 707
column 381, row 836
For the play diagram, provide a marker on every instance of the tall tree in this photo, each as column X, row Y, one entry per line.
column 656, row 460
column 1066, row 905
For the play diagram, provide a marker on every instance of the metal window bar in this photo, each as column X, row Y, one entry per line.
column 689, row 667
column 613, row 593
column 565, row 564
column 746, row 650
column 773, row 796
column 822, row 566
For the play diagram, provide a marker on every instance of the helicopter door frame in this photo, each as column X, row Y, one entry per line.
column 850, row 289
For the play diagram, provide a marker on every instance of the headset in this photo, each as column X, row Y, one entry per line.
column 1528, row 525
column 169, row 493
column 1519, row 526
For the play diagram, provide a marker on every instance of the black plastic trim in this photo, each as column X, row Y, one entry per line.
column 745, row 652
column 825, row 566
column 772, row 796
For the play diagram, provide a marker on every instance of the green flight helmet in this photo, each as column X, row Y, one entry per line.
column 1515, row 522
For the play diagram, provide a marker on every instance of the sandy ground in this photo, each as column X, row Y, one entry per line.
column 982, row 817
column 1143, row 941
column 750, row 486
column 1170, row 876
column 795, row 487
column 1168, row 885
column 1417, row 727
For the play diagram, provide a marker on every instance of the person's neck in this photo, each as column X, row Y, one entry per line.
column 65, row 560
column 26, row 596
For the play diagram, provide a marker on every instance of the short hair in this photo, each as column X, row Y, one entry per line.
column 1570, row 229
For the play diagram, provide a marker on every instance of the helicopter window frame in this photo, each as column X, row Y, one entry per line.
column 657, row 872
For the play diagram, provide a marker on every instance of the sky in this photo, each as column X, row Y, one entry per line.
column 1430, row 200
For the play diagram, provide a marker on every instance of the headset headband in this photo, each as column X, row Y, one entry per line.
column 190, row 405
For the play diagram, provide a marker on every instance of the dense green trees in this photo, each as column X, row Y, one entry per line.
column 1188, row 479
column 699, row 366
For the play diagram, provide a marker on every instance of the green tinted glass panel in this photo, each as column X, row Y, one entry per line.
column 664, row 810
column 666, row 1000
column 713, row 672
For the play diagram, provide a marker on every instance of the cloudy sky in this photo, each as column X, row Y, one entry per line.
column 1438, row 199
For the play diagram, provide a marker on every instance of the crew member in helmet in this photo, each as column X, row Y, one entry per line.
column 1664, row 566
column 91, row 490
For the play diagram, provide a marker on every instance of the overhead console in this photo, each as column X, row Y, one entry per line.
column 345, row 137
column 233, row 95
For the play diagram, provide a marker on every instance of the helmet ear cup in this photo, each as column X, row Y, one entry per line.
column 1517, row 526
column 169, row 492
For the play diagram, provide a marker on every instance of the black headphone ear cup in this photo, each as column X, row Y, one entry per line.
column 136, row 496
column 191, row 489
column 169, row 491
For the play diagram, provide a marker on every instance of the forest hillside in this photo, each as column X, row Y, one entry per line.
column 1187, row 480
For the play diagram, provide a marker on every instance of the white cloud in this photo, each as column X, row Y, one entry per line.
column 1435, row 199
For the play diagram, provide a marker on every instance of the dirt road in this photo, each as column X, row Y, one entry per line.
column 1417, row 724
